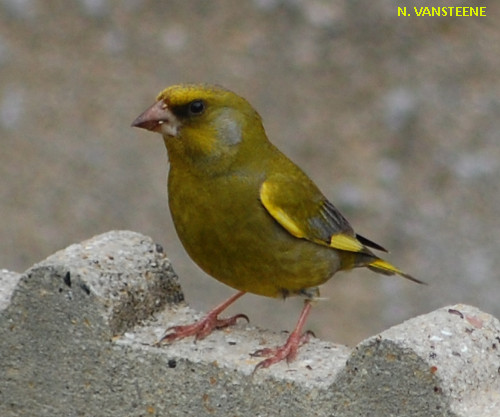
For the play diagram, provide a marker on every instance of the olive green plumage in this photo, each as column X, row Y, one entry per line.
column 244, row 212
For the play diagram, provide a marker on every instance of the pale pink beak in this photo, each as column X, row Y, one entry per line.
column 153, row 118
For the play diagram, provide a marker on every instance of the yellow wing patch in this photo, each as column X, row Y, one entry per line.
column 346, row 242
column 278, row 214
column 270, row 195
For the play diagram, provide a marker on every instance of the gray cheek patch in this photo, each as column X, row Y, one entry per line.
column 229, row 128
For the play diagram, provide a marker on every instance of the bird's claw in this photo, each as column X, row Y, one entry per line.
column 200, row 329
column 288, row 351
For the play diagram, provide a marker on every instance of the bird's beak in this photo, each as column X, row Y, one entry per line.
column 158, row 118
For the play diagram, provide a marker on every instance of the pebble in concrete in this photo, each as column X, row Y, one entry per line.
column 77, row 334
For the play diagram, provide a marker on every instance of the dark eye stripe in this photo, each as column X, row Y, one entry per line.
column 193, row 108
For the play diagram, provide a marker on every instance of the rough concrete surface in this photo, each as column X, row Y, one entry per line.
column 77, row 334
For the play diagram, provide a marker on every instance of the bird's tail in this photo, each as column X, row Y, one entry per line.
column 383, row 267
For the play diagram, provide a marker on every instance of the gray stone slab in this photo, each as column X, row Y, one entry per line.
column 77, row 338
column 8, row 283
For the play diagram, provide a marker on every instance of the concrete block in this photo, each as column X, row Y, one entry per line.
column 77, row 334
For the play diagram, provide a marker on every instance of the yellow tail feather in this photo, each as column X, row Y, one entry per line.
column 384, row 267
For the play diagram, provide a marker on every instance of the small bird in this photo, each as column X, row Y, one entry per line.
column 245, row 213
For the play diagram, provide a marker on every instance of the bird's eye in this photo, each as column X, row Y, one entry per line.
column 196, row 107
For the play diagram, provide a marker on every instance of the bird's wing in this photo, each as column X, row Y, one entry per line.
column 298, row 205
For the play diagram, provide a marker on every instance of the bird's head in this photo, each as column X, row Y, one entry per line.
column 202, row 123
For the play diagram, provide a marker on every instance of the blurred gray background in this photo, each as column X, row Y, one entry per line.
column 397, row 119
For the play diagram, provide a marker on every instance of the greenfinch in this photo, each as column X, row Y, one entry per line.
column 245, row 213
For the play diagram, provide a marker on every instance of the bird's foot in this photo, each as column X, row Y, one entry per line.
column 288, row 351
column 203, row 327
column 199, row 329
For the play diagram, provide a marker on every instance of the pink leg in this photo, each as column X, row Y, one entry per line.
column 289, row 350
column 203, row 327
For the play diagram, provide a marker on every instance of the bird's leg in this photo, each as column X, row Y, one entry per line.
column 203, row 327
column 289, row 350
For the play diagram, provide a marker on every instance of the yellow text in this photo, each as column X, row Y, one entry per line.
column 463, row 11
